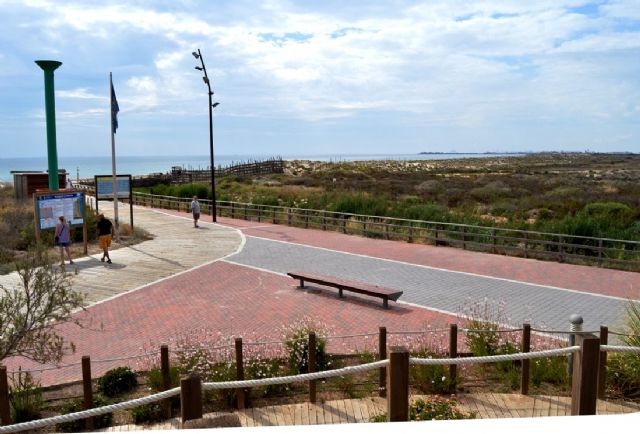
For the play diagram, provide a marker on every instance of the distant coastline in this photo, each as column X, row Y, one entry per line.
column 476, row 153
column 87, row 167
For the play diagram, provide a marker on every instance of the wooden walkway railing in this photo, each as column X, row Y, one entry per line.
column 394, row 378
column 623, row 254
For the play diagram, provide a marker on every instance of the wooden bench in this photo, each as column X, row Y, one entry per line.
column 385, row 294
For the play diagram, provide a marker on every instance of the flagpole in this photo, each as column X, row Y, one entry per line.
column 113, row 161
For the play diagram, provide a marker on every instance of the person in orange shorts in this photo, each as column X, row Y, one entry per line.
column 105, row 232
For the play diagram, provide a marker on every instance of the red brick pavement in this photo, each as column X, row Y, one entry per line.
column 241, row 301
column 576, row 277
column 232, row 299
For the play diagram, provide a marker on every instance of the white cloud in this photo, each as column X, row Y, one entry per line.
column 446, row 63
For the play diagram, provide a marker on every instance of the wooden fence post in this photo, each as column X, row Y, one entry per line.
column 240, row 392
column 600, row 253
column 166, row 378
column 312, row 366
column 87, row 390
column 584, row 385
column 190, row 398
column 398, row 385
column 526, row 347
column 453, row 353
column 5, row 412
column 382, row 354
column 602, row 371
column 464, row 238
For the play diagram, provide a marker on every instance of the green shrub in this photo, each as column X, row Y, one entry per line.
column 431, row 379
column 268, row 368
column 154, row 381
column 428, row 212
column 117, row 381
column 297, row 344
column 436, row 408
column 102, row 421
column 154, row 378
column 152, row 412
column 361, row 204
column 190, row 190
column 549, row 370
column 348, row 386
column 25, row 396
column 623, row 369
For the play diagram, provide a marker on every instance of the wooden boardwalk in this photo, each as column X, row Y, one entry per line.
column 486, row 406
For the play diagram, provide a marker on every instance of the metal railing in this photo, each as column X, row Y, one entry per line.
column 623, row 254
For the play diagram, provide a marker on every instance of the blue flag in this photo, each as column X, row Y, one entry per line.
column 114, row 109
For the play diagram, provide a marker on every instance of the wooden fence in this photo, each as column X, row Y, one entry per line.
column 622, row 254
column 588, row 376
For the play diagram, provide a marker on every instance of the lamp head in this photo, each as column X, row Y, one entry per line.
column 196, row 55
column 205, row 79
column 199, row 68
column 215, row 104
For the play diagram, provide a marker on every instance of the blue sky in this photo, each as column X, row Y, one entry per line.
column 323, row 77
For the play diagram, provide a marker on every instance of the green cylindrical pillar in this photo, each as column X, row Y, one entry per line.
column 48, row 66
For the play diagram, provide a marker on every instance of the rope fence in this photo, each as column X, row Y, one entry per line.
column 496, row 358
column 329, row 337
column 383, row 364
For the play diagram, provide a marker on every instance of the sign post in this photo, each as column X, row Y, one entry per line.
column 49, row 205
column 104, row 190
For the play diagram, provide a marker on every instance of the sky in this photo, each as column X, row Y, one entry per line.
column 323, row 77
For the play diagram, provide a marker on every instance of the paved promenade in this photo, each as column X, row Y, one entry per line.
column 227, row 279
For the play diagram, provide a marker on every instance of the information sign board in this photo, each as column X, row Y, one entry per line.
column 50, row 206
column 104, row 186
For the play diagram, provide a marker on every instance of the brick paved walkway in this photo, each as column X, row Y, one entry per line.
column 239, row 300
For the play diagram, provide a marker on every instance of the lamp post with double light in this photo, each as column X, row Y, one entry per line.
column 212, row 105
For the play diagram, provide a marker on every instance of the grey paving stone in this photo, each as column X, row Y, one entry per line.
column 445, row 290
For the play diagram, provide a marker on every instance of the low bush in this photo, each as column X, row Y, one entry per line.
column 436, row 408
column 25, row 396
column 431, row 379
column 152, row 412
column 623, row 369
column 297, row 344
column 551, row 370
column 117, row 381
column 102, row 421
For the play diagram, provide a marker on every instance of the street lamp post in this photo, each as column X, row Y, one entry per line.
column 202, row 68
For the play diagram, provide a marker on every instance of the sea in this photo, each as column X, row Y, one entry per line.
column 88, row 167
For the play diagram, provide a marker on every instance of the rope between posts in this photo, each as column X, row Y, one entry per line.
column 35, row 424
column 497, row 358
column 619, row 348
column 295, row 378
column 463, row 330
column 417, row 332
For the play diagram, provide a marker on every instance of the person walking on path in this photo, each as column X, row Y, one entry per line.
column 63, row 238
column 105, row 232
column 195, row 209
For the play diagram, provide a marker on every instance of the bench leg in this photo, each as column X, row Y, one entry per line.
column 385, row 303
column 340, row 293
column 301, row 283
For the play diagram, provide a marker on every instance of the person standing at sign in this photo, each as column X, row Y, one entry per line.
column 105, row 232
column 195, row 209
column 63, row 236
